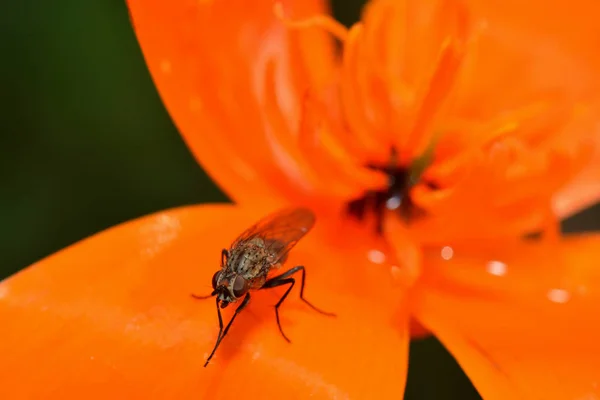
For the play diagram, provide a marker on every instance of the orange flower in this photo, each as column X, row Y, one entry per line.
column 463, row 127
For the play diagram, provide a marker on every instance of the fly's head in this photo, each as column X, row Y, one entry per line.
column 229, row 287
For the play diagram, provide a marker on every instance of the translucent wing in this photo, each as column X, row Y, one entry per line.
column 280, row 231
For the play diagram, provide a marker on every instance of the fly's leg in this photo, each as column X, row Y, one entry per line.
column 222, row 332
column 289, row 273
column 271, row 283
column 285, row 279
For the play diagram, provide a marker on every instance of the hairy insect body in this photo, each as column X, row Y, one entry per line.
column 252, row 261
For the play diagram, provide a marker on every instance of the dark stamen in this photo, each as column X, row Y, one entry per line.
column 394, row 197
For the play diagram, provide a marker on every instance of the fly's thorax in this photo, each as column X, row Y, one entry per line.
column 250, row 259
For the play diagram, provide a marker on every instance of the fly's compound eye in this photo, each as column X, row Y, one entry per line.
column 240, row 286
column 215, row 279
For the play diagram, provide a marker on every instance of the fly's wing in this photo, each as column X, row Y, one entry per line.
column 280, row 231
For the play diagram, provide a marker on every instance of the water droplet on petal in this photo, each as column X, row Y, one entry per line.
column 447, row 252
column 393, row 203
column 376, row 256
column 559, row 295
column 497, row 268
column 396, row 272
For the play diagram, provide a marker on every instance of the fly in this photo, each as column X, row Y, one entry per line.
column 252, row 256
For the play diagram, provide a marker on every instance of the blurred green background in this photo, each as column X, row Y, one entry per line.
column 86, row 144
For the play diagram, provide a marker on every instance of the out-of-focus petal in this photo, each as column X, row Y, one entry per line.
column 568, row 31
column 112, row 317
column 584, row 190
column 233, row 77
column 571, row 24
column 521, row 319
column 521, row 123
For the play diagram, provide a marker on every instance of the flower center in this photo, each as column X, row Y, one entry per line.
column 468, row 158
column 371, row 123
column 394, row 197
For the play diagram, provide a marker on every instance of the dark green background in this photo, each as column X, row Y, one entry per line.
column 86, row 144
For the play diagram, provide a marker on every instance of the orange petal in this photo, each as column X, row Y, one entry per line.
column 112, row 317
column 583, row 190
column 209, row 61
column 521, row 318
column 562, row 39
column 571, row 24
column 552, row 48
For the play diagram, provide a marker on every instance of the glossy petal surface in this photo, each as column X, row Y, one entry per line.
column 112, row 317
column 522, row 320
column 232, row 77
